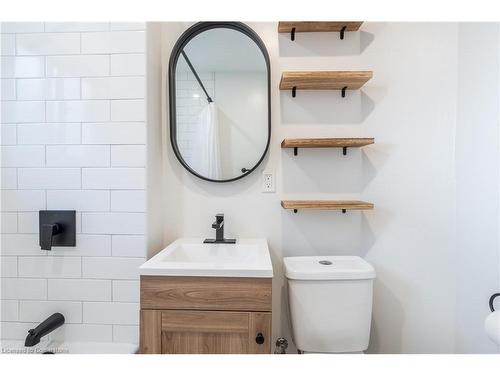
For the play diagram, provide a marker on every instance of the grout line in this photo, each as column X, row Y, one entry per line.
column 84, row 53
column 107, row 29
column 77, row 76
column 106, row 122
column 110, row 118
column 45, row 76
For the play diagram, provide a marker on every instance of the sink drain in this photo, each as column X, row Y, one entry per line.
column 325, row 262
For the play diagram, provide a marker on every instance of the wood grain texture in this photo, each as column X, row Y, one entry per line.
column 204, row 343
column 324, row 80
column 214, row 332
column 260, row 323
column 315, row 26
column 206, row 293
column 150, row 332
column 326, row 142
column 326, row 205
column 204, row 321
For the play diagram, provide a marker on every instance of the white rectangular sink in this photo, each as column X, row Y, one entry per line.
column 192, row 257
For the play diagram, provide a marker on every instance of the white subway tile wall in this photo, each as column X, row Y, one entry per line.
column 9, row 222
column 27, row 222
column 9, row 310
column 73, row 137
column 8, row 266
column 87, row 332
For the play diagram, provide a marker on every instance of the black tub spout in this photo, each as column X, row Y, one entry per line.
column 44, row 328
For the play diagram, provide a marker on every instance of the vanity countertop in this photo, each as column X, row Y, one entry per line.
column 191, row 257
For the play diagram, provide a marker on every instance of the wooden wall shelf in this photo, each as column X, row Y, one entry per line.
column 307, row 26
column 343, row 143
column 326, row 205
column 324, row 80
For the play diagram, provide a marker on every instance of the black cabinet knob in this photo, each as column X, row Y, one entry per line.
column 259, row 339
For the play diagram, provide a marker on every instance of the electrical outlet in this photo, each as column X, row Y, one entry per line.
column 268, row 182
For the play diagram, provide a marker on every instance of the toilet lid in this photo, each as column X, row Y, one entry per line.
column 328, row 268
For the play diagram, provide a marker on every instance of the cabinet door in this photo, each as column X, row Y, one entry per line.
column 259, row 333
column 214, row 332
column 150, row 332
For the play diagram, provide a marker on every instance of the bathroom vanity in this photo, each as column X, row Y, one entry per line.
column 213, row 295
column 199, row 298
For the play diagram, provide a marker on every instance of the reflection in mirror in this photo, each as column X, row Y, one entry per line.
column 221, row 103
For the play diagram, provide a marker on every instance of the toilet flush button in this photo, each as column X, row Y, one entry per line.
column 325, row 262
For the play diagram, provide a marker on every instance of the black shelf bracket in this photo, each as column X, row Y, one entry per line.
column 342, row 31
column 296, row 151
column 292, row 34
column 344, row 210
column 294, row 91
column 343, row 91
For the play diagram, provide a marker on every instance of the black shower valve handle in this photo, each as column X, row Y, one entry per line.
column 48, row 231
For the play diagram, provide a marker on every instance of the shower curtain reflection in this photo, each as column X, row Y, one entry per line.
column 206, row 158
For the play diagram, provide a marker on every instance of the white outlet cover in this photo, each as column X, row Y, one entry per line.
column 268, row 182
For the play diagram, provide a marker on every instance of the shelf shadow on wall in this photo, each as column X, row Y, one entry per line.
column 365, row 39
column 325, row 107
column 322, row 170
column 315, row 232
column 323, row 44
column 327, row 170
column 373, row 159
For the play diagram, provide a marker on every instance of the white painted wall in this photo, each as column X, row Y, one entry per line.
column 73, row 137
column 477, row 168
column 410, row 107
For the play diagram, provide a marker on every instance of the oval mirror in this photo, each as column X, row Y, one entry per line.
column 220, row 109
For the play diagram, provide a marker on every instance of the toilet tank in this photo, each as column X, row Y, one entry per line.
column 330, row 301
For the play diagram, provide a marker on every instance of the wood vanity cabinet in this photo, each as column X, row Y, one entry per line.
column 205, row 315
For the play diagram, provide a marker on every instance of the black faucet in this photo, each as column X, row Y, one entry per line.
column 44, row 328
column 218, row 225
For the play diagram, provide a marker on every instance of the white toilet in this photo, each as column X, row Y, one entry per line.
column 330, row 299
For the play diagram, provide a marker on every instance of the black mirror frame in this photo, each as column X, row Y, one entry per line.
column 189, row 34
